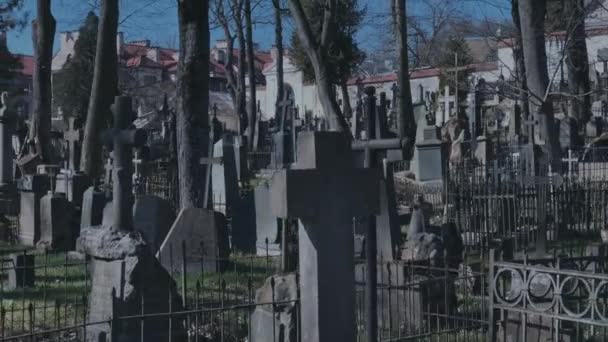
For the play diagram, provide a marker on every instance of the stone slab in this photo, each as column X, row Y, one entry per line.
column 206, row 241
column 55, row 223
column 153, row 216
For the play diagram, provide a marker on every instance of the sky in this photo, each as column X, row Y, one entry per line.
column 156, row 20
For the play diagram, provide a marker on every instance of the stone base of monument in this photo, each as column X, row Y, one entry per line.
column 538, row 328
column 32, row 188
column 285, row 315
column 55, row 223
column 77, row 184
column 122, row 262
column 21, row 271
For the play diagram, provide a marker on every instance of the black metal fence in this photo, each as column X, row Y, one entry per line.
column 421, row 302
column 501, row 200
column 42, row 291
column 549, row 299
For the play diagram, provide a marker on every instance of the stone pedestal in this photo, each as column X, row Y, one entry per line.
column 55, row 223
column 93, row 203
column 122, row 261
column 32, row 188
column 77, row 184
column 428, row 155
column 21, row 271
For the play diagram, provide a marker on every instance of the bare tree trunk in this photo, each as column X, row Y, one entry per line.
column 43, row 32
column 104, row 88
column 242, row 84
column 278, row 32
column 407, row 124
column 346, row 107
column 316, row 52
column 520, row 67
column 578, row 61
column 251, row 130
column 532, row 18
column 192, row 119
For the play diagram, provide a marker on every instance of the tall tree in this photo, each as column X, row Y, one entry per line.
column 320, row 36
column 407, row 124
column 520, row 67
column 11, row 15
column 252, row 112
column 104, row 88
column 229, row 16
column 577, row 60
column 43, row 33
column 72, row 85
column 192, row 122
column 278, row 38
column 532, row 18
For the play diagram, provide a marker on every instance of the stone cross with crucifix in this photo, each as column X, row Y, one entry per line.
column 122, row 139
column 72, row 136
column 319, row 191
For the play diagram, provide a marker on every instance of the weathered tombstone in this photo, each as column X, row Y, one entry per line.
column 319, row 191
column 266, row 224
column 6, row 147
column 153, row 216
column 243, row 232
column 206, row 241
column 73, row 184
column 225, row 185
column 32, row 188
column 122, row 263
column 55, row 220
column 21, row 271
column 428, row 156
column 283, row 318
column 93, row 203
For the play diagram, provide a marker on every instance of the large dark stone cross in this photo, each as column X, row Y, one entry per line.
column 325, row 192
column 121, row 139
column 72, row 137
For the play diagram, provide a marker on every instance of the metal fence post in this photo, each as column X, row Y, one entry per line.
column 491, row 284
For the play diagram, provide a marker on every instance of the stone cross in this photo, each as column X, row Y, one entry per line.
column 319, row 190
column 6, row 136
column 138, row 162
column 571, row 160
column 122, row 138
column 72, row 137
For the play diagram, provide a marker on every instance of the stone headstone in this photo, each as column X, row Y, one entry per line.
column 108, row 214
column 243, row 232
column 266, row 224
column 93, row 203
column 21, row 271
column 206, row 238
column 225, row 185
column 55, row 223
column 428, row 158
column 73, row 184
column 153, row 217
column 32, row 188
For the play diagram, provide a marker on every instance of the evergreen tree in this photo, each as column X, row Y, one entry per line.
column 72, row 86
column 9, row 65
column 456, row 53
column 11, row 17
column 344, row 55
